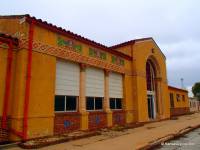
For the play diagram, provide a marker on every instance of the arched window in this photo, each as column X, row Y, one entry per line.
column 150, row 76
column 151, row 93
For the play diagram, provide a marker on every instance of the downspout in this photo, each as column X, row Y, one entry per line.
column 7, row 85
column 28, row 79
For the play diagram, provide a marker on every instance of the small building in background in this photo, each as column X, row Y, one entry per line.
column 179, row 101
column 194, row 104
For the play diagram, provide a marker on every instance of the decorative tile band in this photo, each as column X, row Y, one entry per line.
column 97, row 53
column 117, row 60
column 69, row 54
column 68, row 43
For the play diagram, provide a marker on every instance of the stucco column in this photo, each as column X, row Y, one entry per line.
column 106, row 92
column 107, row 100
column 82, row 98
column 159, row 97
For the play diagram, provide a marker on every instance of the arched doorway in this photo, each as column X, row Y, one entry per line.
column 151, row 89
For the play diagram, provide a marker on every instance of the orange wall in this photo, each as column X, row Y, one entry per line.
column 14, row 27
column 181, row 103
column 3, row 62
column 141, row 51
column 126, row 50
column 3, row 69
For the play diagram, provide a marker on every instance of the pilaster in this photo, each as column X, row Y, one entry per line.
column 106, row 100
column 82, row 98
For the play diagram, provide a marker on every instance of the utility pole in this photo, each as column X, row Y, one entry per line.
column 182, row 85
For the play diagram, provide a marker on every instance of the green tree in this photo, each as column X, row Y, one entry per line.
column 196, row 90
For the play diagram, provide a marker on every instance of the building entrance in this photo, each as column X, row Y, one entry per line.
column 150, row 79
column 151, row 106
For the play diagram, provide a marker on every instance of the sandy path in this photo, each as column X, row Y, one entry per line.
column 131, row 138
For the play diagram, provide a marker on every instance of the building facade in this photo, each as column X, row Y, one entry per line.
column 194, row 104
column 54, row 81
column 179, row 101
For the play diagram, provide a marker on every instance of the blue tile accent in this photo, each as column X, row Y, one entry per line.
column 118, row 118
column 97, row 120
column 67, row 123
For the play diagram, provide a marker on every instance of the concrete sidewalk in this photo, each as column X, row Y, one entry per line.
column 130, row 139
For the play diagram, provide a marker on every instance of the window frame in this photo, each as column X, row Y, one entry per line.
column 65, row 111
column 183, row 98
column 94, row 99
column 178, row 97
column 115, row 99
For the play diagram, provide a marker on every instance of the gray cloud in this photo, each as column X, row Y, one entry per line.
column 173, row 24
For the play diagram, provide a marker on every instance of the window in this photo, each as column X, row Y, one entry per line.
column 112, row 103
column 90, row 103
column 70, row 103
column 115, row 103
column 94, row 103
column 150, row 76
column 171, row 100
column 65, row 103
column 59, row 103
column 183, row 97
column 178, row 97
column 98, row 103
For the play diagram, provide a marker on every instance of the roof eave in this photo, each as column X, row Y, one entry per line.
column 172, row 87
column 134, row 41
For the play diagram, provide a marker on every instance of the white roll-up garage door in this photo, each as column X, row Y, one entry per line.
column 94, row 82
column 67, row 78
column 115, row 85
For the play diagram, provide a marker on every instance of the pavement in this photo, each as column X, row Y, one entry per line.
column 129, row 139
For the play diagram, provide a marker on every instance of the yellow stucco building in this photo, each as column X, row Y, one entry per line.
column 179, row 101
column 54, row 81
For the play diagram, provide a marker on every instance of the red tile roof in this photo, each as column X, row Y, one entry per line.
column 133, row 42
column 130, row 42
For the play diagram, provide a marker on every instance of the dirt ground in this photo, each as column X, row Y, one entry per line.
column 129, row 139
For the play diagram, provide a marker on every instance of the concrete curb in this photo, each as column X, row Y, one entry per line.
column 157, row 142
column 6, row 146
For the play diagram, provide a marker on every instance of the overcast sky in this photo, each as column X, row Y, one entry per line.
column 174, row 24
